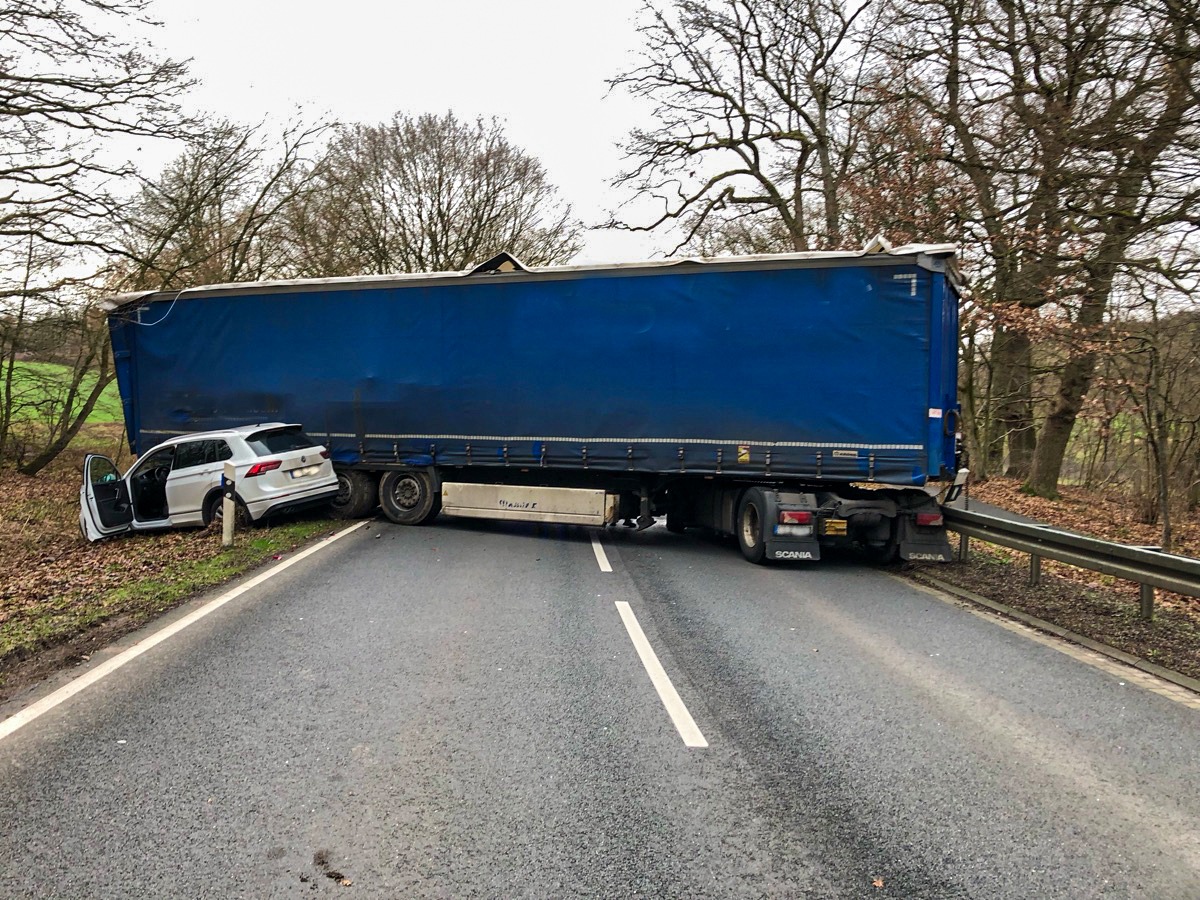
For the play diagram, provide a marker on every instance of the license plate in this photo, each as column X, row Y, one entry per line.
column 305, row 471
column 835, row 526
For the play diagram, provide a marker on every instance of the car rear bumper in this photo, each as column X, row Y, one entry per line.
column 270, row 506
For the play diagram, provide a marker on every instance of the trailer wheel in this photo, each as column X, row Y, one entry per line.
column 409, row 497
column 357, row 496
column 750, row 528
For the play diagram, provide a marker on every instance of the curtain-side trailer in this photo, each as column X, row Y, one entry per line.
column 798, row 401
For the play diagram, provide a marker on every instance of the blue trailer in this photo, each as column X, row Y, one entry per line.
column 796, row 401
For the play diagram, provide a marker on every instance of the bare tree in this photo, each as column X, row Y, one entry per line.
column 430, row 193
column 903, row 183
column 718, row 235
column 755, row 106
column 217, row 213
column 1149, row 368
column 1076, row 126
column 68, row 84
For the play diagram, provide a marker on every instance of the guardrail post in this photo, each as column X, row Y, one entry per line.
column 964, row 547
column 1035, row 569
column 228, row 504
column 1147, row 602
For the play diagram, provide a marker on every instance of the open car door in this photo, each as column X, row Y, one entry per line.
column 104, row 507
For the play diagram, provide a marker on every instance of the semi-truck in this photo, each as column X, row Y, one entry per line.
column 797, row 402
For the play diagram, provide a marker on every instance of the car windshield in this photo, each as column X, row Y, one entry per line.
column 278, row 440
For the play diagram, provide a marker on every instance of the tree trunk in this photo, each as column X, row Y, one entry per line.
column 1011, row 358
column 973, row 425
column 1076, row 378
column 1166, row 535
column 59, row 444
column 1056, row 430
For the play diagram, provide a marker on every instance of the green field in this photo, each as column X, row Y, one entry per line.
column 37, row 384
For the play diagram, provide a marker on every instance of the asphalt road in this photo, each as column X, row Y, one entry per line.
column 460, row 711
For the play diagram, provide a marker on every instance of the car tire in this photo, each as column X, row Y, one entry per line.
column 409, row 497
column 749, row 526
column 214, row 511
column 357, row 496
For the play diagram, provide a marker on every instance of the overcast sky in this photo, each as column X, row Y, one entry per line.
column 538, row 65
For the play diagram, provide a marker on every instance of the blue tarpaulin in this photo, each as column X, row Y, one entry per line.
column 834, row 366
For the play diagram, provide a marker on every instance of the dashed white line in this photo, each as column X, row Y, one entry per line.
column 69, row 690
column 684, row 723
column 601, row 556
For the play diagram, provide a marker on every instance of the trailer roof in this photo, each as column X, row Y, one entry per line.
column 937, row 257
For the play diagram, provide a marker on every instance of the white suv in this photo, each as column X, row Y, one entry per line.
column 278, row 467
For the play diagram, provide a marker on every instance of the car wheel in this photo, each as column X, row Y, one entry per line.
column 214, row 511
column 357, row 496
column 750, row 520
column 409, row 497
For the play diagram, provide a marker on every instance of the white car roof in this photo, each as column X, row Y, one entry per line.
column 238, row 431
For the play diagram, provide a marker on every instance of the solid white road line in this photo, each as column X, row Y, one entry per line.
column 47, row 703
column 684, row 723
column 601, row 556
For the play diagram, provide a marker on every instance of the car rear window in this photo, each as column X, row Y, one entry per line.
column 279, row 440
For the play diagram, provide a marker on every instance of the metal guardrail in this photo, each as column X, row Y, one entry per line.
column 1146, row 566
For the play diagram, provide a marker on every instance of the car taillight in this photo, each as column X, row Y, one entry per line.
column 795, row 517
column 929, row 519
column 259, row 468
column 324, row 454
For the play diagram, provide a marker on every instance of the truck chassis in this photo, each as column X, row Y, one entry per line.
column 773, row 520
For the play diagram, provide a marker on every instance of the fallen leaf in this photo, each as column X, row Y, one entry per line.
column 878, row 882
column 345, row 882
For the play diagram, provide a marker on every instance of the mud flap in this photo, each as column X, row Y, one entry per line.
column 923, row 544
column 785, row 551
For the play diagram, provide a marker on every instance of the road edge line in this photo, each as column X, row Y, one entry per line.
column 1175, row 678
column 35, row 710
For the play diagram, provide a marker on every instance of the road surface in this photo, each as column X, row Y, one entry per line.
column 461, row 711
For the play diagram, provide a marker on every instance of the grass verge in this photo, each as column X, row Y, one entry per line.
column 39, row 624
column 62, row 598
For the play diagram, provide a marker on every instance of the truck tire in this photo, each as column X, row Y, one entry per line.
column 750, row 526
column 409, row 497
column 887, row 552
column 357, row 496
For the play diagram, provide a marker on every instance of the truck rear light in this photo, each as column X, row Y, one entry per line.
column 260, row 467
column 795, row 517
column 929, row 520
column 794, row 523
